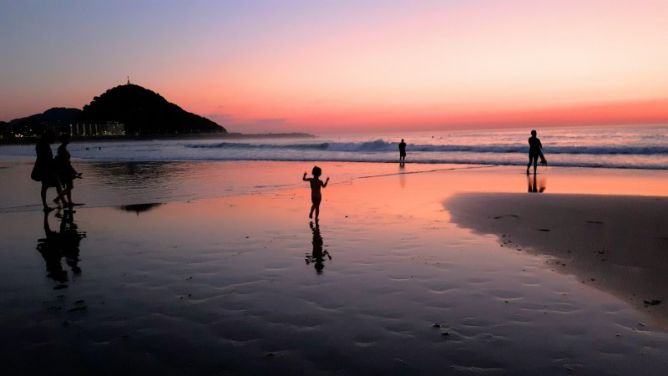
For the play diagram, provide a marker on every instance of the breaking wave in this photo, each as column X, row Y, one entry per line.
column 384, row 146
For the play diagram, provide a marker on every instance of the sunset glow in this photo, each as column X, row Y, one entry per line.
column 326, row 65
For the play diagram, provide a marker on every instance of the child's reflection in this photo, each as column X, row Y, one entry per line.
column 317, row 256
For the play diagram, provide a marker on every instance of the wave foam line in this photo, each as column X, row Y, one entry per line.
column 383, row 146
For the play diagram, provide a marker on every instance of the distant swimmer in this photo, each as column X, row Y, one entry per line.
column 316, row 185
column 402, row 151
column 535, row 152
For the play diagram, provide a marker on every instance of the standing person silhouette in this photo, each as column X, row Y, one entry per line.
column 535, row 152
column 402, row 151
column 44, row 168
column 316, row 185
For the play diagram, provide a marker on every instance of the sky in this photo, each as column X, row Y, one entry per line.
column 325, row 65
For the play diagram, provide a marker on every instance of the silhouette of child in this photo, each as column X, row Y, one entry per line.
column 316, row 184
column 64, row 170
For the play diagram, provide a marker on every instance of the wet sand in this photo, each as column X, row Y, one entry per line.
column 216, row 271
column 616, row 243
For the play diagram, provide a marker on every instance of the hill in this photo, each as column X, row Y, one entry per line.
column 54, row 118
column 50, row 116
column 144, row 112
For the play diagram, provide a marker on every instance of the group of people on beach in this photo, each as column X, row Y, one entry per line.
column 55, row 172
column 535, row 153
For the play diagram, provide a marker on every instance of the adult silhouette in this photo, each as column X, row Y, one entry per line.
column 535, row 152
column 402, row 151
column 44, row 170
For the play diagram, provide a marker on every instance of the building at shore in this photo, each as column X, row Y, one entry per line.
column 110, row 128
column 84, row 129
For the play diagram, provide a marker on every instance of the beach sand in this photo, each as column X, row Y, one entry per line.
column 616, row 243
column 210, row 269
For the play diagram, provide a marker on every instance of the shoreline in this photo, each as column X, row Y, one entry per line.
column 193, row 136
column 520, row 167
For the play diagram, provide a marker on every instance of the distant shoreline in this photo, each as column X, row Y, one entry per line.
column 190, row 136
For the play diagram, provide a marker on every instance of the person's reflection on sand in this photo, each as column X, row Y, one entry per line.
column 317, row 256
column 535, row 184
column 58, row 244
column 402, row 176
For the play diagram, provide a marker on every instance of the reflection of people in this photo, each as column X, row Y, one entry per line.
column 316, row 185
column 535, row 185
column 56, row 245
column 44, row 170
column 535, row 152
column 402, row 151
column 402, row 175
column 64, row 170
column 317, row 256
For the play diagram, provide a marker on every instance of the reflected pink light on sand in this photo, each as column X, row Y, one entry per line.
column 414, row 192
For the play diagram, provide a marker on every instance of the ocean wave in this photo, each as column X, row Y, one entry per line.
column 379, row 146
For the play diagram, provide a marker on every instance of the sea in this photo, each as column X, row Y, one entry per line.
column 629, row 147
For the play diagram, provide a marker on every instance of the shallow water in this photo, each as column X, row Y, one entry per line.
column 126, row 183
column 222, row 284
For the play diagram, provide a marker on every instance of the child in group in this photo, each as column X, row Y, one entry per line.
column 316, row 184
column 66, row 173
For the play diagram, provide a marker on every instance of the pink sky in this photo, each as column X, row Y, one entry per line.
column 277, row 66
